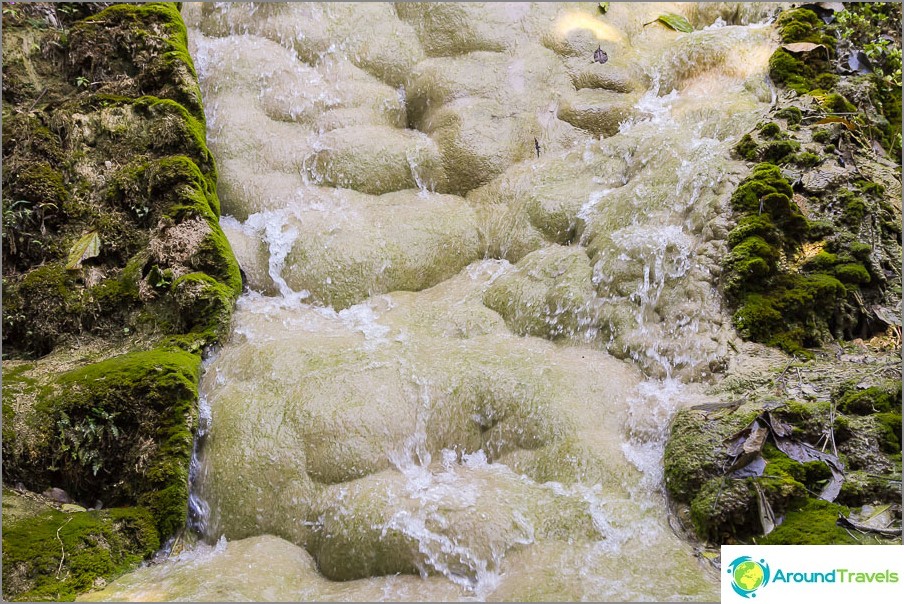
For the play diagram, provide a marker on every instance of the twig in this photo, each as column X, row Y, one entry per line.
column 35, row 102
column 780, row 380
column 863, row 528
column 62, row 547
column 832, row 427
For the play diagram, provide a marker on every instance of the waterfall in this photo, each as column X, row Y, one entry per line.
column 482, row 275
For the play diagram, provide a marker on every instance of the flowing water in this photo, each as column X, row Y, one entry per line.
column 482, row 275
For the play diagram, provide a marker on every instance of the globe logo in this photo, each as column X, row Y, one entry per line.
column 748, row 575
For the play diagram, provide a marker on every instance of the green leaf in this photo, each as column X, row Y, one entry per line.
column 604, row 6
column 676, row 22
column 86, row 247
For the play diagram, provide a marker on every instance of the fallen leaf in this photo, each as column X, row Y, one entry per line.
column 802, row 46
column 802, row 453
column 86, row 247
column 859, row 62
column 879, row 510
column 599, row 55
column 767, row 516
column 835, row 119
column 877, row 148
column 863, row 528
column 676, row 22
column 889, row 317
column 754, row 468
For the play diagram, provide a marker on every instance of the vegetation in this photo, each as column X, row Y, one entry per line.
column 116, row 277
column 50, row 555
column 804, row 265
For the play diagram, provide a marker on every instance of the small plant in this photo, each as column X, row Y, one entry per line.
column 81, row 82
column 83, row 443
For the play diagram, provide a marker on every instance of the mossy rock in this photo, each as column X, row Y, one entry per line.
column 125, row 157
column 747, row 148
column 875, row 399
column 770, row 130
column 147, row 42
column 49, row 555
column 147, row 447
column 787, row 70
column 695, row 450
column 792, row 114
column 811, row 522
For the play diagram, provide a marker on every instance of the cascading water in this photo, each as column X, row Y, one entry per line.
column 482, row 275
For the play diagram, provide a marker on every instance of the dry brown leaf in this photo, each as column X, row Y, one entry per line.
column 802, row 46
column 834, row 119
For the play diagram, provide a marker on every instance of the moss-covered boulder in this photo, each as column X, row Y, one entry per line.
column 52, row 554
column 812, row 451
column 116, row 277
column 815, row 253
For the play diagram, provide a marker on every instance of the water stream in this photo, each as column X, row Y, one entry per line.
column 481, row 272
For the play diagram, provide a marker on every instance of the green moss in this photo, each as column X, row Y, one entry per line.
column 854, row 211
column 803, row 293
column 829, row 149
column 792, row 114
column 860, row 487
column 38, row 183
column 796, row 25
column 179, row 170
column 786, row 313
column 787, row 70
column 889, row 425
column 204, row 303
column 836, row 103
column 759, row 225
column 770, row 130
column 175, row 130
column 807, row 159
column 721, row 510
column 752, row 259
column 823, row 261
column 812, row 522
column 826, row 81
column 876, row 399
column 868, row 187
column 860, row 251
column 747, row 148
column 146, row 41
column 819, row 229
column 95, row 409
column 808, row 474
column 778, row 151
column 852, row 273
column 40, row 309
column 101, row 544
column 757, row 318
column 823, row 135
column 764, row 180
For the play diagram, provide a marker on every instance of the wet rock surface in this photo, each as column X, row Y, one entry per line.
column 477, row 273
